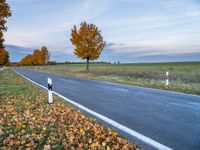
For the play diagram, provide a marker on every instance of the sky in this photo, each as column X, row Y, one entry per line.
column 134, row 30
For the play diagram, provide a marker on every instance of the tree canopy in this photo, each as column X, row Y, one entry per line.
column 4, row 14
column 45, row 55
column 39, row 57
column 88, row 42
column 27, row 60
column 4, row 57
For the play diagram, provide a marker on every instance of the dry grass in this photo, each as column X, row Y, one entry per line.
column 28, row 122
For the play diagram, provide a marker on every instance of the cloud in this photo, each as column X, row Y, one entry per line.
column 20, row 49
column 52, row 31
column 139, row 28
column 17, row 52
column 152, row 48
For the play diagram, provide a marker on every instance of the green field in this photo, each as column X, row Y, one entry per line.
column 28, row 122
column 184, row 76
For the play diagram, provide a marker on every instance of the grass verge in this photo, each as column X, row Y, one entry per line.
column 28, row 122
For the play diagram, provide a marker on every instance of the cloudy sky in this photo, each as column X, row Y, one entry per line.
column 135, row 30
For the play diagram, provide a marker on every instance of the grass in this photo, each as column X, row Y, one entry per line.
column 28, row 122
column 184, row 76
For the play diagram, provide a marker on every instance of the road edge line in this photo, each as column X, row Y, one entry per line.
column 115, row 124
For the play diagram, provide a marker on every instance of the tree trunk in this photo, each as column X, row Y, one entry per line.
column 87, row 65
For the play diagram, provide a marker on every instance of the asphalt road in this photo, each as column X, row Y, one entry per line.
column 169, row 118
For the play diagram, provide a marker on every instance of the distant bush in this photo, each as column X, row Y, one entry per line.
column 52, row 63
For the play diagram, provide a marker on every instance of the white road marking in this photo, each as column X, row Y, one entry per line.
column 115, row 124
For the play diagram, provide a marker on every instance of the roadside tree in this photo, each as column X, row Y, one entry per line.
column 45, row 55
column 4, row 57
column 39, row 57
column 88, row 42
column 27, row 60
column 4, row 14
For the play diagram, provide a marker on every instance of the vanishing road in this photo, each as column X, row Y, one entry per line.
column 169, row 118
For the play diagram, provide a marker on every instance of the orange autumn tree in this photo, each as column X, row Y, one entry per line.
column 27, row 60
column 88, row 42
column 4, row 14
column 4, row 57
column 45, row 55
column 39, row 57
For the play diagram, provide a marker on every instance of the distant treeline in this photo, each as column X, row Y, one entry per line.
column 33, row 60
column 68, row 62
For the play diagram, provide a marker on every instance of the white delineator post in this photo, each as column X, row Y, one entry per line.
column 50, row 95
column 167, row 78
